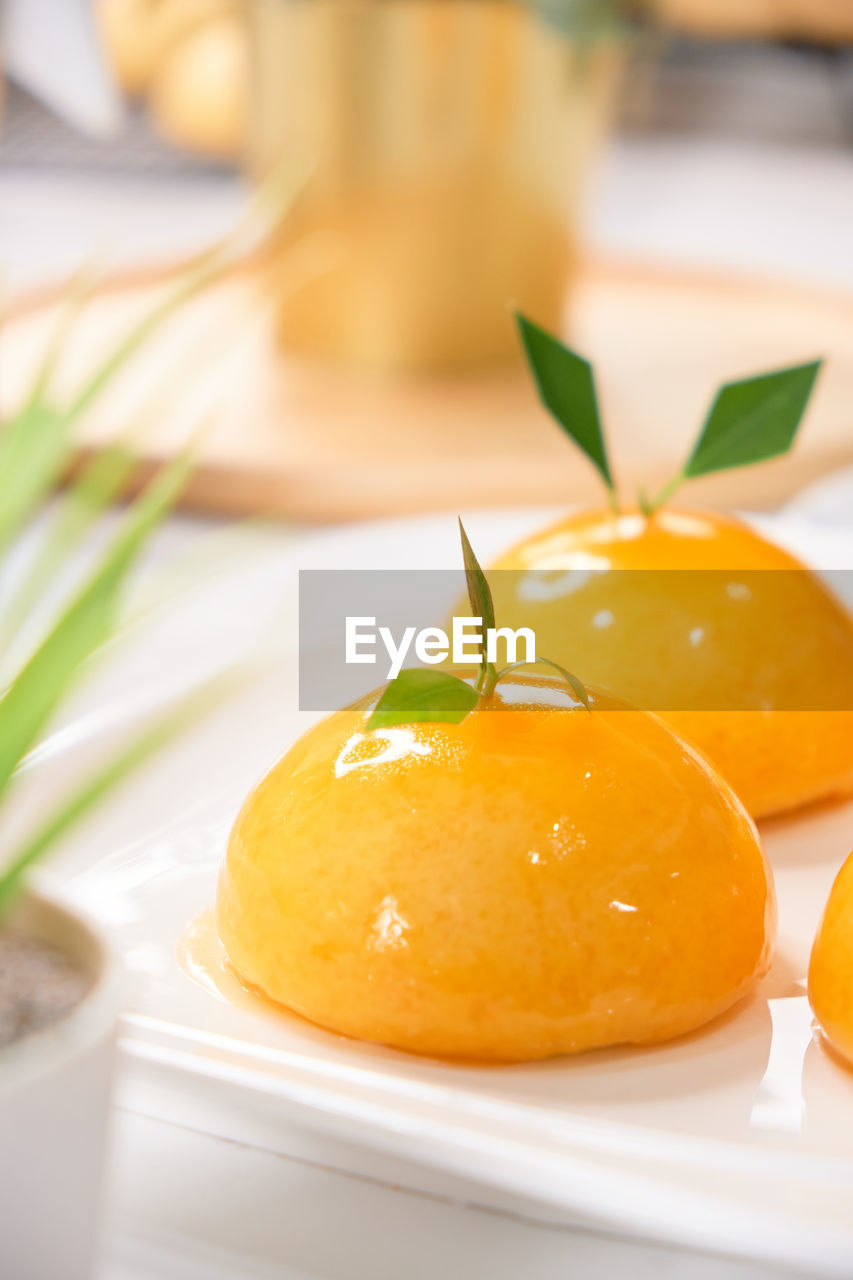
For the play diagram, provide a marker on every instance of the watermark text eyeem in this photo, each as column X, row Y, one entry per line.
column 432, row 645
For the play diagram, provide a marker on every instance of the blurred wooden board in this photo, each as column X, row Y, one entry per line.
column 789, row 19
column 314, row 443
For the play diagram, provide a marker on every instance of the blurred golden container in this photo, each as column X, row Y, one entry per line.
column 449, row 140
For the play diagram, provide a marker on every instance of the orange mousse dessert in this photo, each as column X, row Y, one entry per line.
column 831, row 967
column 697, row 616
column 741, row 648
column 537, row 879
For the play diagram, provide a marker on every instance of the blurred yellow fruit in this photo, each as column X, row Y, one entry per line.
column 127, row 31
column 752, row 664
column 198, row 97
column 138, row 34
column 831, row 968
column 536, row 880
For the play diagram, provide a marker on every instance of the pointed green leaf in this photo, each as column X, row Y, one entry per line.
column 753, row 420
column 34, row 451
column 105, row 780
column 77, row 293
column 566, row 387
column 100, row 482
column 419, row 696
column 479, row 593
column 35, row 692
column 35, row 444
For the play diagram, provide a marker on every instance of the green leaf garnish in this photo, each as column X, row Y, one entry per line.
column 480, row 600
column 749, row 421
column 419, row 695
column 753, row 420
column 577, row 687
column 566, row 387
column 479, row 592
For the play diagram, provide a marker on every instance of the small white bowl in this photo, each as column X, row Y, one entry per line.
column 54, row 1105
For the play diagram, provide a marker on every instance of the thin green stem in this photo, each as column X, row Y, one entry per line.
column 577, row 686
column 491, row 675
column 487, row 678
column 649, row 508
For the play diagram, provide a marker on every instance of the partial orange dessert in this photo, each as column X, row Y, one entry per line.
column 734, row 641
column 831, row 967
column 537, row 879
column 740, row 647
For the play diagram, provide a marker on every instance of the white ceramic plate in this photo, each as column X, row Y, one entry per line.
column 738, row 1138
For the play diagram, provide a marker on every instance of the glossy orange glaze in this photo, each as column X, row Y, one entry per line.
column 536, row 880
column 753, row 665
column 831, row 967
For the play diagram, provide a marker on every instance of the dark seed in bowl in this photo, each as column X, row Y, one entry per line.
column 38, row 985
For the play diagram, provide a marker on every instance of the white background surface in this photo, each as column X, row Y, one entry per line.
column 187, row 1206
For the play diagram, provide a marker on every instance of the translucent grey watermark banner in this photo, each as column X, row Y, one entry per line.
column 665, row 640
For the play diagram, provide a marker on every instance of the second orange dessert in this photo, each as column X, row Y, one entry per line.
column 697, row 616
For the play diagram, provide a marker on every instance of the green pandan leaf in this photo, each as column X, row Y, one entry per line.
column 566, row 386
column 34, row 451
column 35, row 447
column 419, row 696
column 35, row 692
column 68, row 813
column 100, row 483
column 753, row 420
